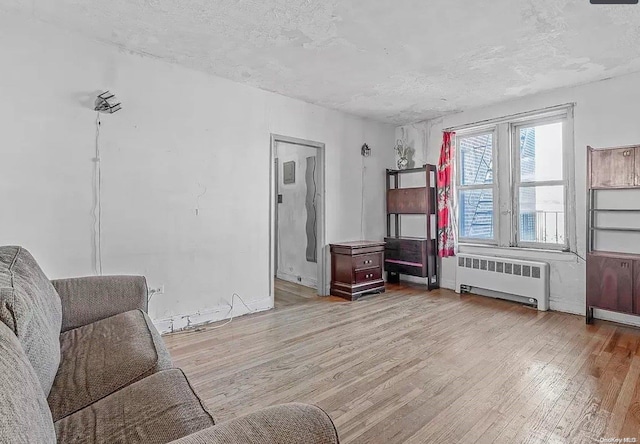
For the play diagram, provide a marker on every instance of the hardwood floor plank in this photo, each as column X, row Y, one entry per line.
column 623, row 403
column 416, row 366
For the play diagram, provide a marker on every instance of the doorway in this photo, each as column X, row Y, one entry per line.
column 297, row 256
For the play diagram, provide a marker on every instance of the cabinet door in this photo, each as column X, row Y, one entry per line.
column 610, row 283
column 613, row 168
column 637, row 168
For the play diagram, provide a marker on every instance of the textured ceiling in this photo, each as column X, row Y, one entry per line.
column 395, row 61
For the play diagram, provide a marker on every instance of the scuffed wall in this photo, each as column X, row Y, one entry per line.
column 185, row 170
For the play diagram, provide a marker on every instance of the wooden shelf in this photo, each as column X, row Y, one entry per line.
column 405, row 263
column 616, row 188
column 613, row 278
column 615, row 210
column 613, row 254
column 628, row 230
column 414, row 256
column 408, row 170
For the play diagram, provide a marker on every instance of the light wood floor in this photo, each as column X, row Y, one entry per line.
column 418, row 367
column 289, row 293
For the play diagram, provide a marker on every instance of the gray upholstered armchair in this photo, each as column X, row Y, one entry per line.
column 80, row 361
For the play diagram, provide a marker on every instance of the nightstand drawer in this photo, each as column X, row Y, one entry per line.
column 366, row 261
column 368, row 275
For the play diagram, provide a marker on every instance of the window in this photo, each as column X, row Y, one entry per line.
column 540, row 185
column 476, row 186
column 514, row 182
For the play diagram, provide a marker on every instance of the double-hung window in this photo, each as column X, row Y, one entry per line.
column 540, row 184
column 476, row 187
column 515, row 183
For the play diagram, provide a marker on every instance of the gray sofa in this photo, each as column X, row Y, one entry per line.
column 80, row 361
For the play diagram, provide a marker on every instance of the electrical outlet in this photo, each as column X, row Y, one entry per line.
column 156, row 290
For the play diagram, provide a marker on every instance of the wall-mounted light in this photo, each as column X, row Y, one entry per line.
column 107, row 103
column 365, row 150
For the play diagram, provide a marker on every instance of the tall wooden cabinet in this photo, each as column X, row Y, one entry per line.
column 613, row 278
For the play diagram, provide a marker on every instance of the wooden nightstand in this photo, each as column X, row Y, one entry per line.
column 356, row 269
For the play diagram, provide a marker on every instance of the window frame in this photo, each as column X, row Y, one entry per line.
column 506, row 183
column 474, row 132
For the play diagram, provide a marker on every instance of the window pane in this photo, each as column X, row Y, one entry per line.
column 476, row 214
column 541, row 152
column 542, row 214
column 476, row 159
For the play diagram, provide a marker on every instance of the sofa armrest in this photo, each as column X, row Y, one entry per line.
column 286, row 423
column 90, row 299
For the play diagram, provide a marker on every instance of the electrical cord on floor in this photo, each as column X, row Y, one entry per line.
column 231, row 311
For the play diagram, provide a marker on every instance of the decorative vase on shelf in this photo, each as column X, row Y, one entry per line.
column 404, row 153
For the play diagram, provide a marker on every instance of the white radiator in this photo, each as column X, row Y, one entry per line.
column 514, row 279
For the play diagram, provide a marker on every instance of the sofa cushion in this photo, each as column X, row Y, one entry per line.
column 30, row 306
column 292, row 423
column 92, row 298
column 157, row 409
column 102, row 357
column 24, row 413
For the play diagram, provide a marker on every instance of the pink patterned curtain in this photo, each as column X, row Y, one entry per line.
column 445, row 194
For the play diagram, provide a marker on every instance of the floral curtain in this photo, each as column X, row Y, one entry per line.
column 445, row 195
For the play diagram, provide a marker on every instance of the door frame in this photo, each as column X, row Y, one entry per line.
column 321, row 228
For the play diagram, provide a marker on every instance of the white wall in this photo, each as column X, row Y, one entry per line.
column 605, row 115
column 184, row 141
column 292, row 260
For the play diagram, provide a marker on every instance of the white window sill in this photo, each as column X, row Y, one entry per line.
column 518, row 252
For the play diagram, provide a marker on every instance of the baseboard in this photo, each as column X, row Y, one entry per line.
column 451, row 285
column 203, row 317
column 566, row 307
column 620, row 318
column 307, row 282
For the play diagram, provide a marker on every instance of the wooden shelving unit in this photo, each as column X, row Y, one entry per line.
column 414, row 256
column 613, row 278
